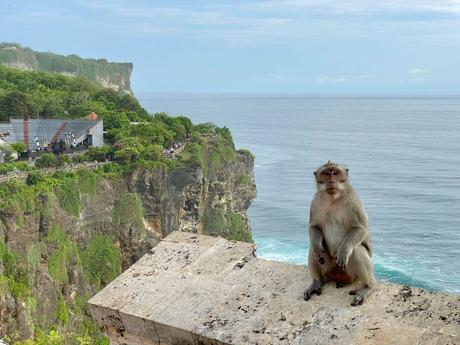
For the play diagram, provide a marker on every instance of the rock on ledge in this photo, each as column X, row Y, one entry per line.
column 195, row 289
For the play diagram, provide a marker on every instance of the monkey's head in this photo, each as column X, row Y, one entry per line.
column 332, row 178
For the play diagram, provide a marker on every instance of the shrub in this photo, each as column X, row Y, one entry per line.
column 19, row 147
column 99, row 154
column 48, row 160
column 34, row 178
column 12, row 166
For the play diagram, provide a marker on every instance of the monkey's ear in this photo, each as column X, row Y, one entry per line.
column 315, row 173
column 347, row 171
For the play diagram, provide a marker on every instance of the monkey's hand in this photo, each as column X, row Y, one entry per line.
column 343, row 255
column 320, row 253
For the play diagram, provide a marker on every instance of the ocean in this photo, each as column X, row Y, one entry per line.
column 404, row 160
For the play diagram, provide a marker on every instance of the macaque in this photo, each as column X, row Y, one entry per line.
column 340, row 240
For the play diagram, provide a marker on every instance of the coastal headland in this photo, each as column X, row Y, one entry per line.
column 71, row 222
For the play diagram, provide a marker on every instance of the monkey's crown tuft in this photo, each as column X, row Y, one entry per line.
column 329, row 164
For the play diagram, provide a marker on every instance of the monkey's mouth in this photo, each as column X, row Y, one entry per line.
column 332, row 190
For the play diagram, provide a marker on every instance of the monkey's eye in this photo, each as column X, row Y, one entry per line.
column 335, row 173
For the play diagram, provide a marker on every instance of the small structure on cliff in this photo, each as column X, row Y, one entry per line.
column 48, row 131
column 195, row 289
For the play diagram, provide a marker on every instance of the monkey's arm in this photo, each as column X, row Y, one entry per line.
column 358, row 233
column 316, row 242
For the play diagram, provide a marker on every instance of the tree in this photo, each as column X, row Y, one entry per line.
column 17, row 104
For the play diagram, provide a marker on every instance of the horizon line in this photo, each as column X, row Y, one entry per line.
column 306, row 94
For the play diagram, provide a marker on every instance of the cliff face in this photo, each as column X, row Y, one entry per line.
column 108, row 74
column 59, row 248
column 188, row 199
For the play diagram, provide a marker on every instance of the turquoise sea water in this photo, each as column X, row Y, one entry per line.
column 404, row 161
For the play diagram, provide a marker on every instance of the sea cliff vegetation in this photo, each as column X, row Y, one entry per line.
column 49, row 95
column 66, row 233
column 98, row 71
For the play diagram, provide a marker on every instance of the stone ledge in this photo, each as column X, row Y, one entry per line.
column 195, row 289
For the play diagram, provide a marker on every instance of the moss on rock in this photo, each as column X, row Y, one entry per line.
column 128, row 209
column 101, row 260
column 238, row 228
column 69, row 196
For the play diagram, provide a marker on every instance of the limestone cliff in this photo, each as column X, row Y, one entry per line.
column 108, row 74
column 59, row 247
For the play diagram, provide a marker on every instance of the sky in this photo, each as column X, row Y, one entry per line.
column 316, row 47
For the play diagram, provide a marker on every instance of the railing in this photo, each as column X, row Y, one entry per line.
column 22, row 175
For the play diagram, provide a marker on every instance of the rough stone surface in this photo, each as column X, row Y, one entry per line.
column 195, row 289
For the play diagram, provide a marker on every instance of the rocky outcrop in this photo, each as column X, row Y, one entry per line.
column 188, row 199
column 60, row 247
column 193, row 289
column 108, row 74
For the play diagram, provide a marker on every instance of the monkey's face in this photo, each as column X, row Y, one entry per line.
column 331, row 179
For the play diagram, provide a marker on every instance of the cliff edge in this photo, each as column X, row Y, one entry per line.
column 61, row 244
column 112, row 75
column 195, row 289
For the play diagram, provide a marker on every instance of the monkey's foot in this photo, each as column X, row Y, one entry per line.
column 357, row 300
column 360, row 295
column 315, row 287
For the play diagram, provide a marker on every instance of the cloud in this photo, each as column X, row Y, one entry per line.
column 331, row 79
column 418, row 71
column 359, row 6
column 264, row 22
column 342, row 78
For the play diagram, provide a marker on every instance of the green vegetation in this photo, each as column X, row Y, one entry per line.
column 48, row 160
column 246, row 152
column 211, row 147
column 15, row 273
column 217, row 222
column 41, row 338
column 101, row 260
column 137, row 142
column 33, row 257
column 11, row 53
column 19, row 147
column 64, row 251
column 68, row 196
column 238, row 228
column 13, row 166
column 128, row 210
column 138, row 138
column 48, row 95
column 87, row 181
column 214, row 221
column 16, row 197
column 62, row 315
column 243, row 180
